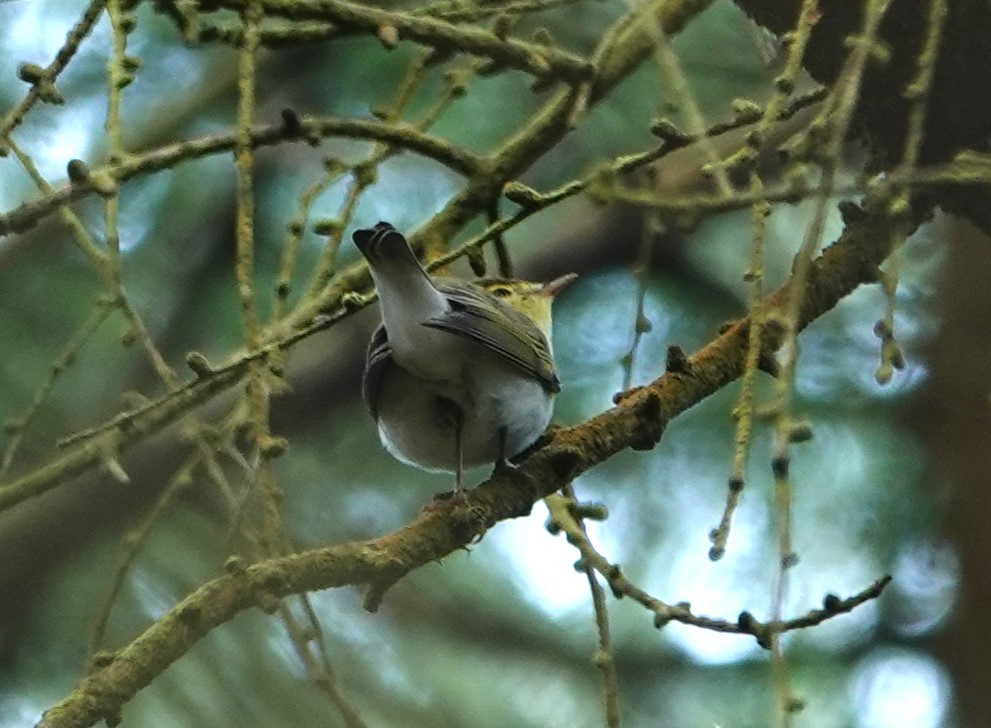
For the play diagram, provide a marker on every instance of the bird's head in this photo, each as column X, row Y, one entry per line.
column 531, row 299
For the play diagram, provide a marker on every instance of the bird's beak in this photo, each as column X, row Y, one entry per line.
column 557, row 285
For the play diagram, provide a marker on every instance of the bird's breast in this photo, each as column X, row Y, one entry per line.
column 419, row 418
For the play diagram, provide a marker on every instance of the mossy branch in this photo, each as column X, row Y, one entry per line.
column 637, row 422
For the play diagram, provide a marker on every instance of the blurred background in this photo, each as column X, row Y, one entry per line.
column 894, row 480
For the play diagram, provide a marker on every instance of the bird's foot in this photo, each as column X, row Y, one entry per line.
column 504, row 466
column 454, row 505
column 449, row 499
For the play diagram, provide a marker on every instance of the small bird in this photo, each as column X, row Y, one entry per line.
column 458, row 374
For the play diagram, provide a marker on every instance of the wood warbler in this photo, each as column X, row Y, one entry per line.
column 459, row 373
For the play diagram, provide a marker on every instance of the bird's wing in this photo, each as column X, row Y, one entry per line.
column 476, row 315
column 377, row 358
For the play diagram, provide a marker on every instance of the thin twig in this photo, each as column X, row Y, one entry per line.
column 665, row 613
column 306, row 642
column 17, row 427
column 833, row 123
column 564, row 508
column 744, row 411
column 653, row 226
column 43, row 79
column 308, row 129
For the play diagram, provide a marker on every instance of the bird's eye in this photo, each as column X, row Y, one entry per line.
column 500, row 292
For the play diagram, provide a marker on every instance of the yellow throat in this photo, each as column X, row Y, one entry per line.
column 533, row 300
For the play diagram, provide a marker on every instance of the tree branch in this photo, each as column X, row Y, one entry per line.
column 637, row 422
column 624, row 46
column 292, row 128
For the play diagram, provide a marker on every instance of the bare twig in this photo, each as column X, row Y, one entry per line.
column 746, row 623
column 564, row 508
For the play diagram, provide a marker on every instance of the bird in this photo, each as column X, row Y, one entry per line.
column 459, row 373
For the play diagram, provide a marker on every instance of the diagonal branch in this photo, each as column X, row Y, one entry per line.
column 637, row 422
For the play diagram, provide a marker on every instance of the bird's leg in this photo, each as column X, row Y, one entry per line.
column 502, row 463
column 459, row 487
column 455, row 418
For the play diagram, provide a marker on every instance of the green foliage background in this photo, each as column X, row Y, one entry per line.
column 500, row 635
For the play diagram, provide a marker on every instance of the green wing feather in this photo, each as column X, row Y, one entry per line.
column 477, row 315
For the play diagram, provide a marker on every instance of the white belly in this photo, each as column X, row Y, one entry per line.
column 417, row 418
